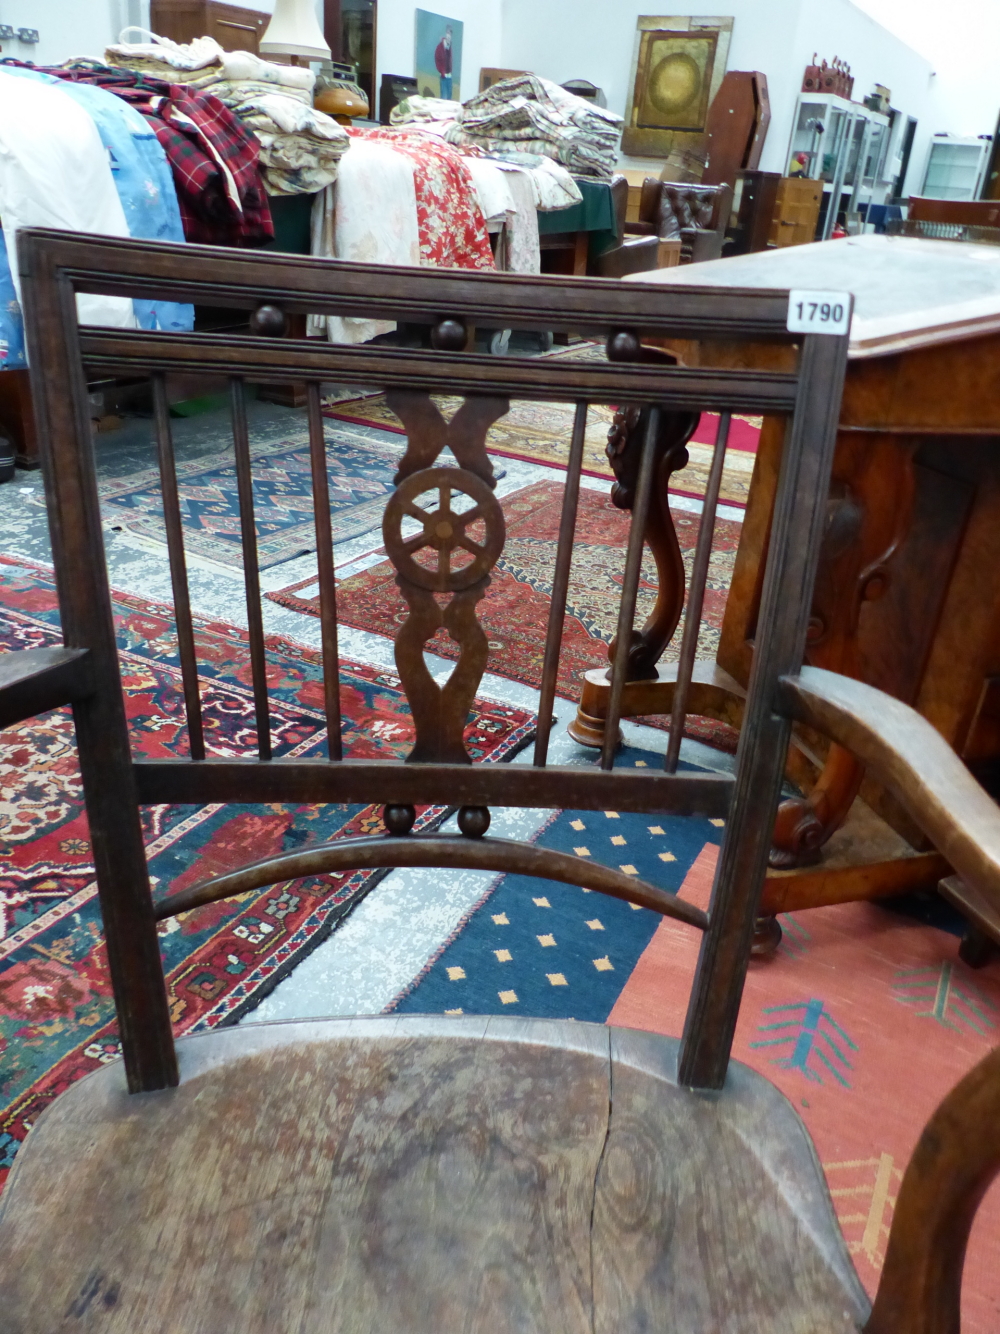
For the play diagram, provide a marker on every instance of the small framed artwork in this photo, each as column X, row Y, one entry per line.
column 438, row 61
column 678, row 64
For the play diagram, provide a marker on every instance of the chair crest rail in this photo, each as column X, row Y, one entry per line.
column 298, row 284
column 282, row 360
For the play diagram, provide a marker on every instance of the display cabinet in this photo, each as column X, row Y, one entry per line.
column 844, row 145
column 955, row 167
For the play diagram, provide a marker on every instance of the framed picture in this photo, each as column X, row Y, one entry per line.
column 438, row 61
column 677, row 68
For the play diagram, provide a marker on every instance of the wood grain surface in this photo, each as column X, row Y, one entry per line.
column 422, row 1175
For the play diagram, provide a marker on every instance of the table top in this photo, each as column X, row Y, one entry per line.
column 909, row 292
column 594, row 213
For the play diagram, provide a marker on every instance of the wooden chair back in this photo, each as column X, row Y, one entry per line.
column 442, row 572
column 962, row 212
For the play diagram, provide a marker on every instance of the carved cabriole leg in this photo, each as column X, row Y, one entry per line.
column 443, row 570
column 624, row 441
column 875, row 507
column 804, row 824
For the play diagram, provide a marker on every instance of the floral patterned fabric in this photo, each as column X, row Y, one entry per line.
column 451, row 225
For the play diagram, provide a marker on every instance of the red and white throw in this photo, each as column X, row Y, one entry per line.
column 450, row 223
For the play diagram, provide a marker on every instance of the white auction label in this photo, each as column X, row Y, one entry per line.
column 818, row 312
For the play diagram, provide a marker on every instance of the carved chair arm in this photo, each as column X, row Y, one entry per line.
column 958, row 1154
column 956, row 1159
column 913, row 761
column 34, row 680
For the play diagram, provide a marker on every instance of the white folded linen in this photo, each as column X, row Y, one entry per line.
column 369, row 216
column 54, row 172
column 190, row 62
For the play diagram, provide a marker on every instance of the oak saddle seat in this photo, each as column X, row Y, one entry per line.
column 452, row 1173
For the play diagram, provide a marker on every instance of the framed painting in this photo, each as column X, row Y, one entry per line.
column 438, row 61
column 677, row 68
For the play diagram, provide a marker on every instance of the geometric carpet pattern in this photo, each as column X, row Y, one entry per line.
column 56, row 1013
column 360, row 472
column 540, row 433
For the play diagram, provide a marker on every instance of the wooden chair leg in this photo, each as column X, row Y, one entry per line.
column 804, row 824
column 977, row 949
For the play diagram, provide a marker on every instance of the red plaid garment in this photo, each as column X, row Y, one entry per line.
column 213, row 156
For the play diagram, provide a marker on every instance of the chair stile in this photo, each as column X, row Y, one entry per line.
column 324, row 562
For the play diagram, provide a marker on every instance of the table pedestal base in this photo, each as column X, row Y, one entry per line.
column 862, row 859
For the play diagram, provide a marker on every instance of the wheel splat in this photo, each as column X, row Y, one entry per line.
column 446, row 557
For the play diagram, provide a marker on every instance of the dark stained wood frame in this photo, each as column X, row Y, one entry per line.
column 55, row 266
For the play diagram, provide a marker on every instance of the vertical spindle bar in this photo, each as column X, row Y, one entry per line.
column 178, row 569
column 630, row 590
column 324, row 562
column 696, row 596
column 560, row 584
column 251, row 573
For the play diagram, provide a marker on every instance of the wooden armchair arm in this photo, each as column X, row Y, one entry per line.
column 956, row 1158
column 958, row 1154
column 913, row 761
column 34, row 680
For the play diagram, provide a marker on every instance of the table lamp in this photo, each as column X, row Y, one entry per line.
column 294, row 31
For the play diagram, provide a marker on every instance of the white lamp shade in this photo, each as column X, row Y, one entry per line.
column 294, row 31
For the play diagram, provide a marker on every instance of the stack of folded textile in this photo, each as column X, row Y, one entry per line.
column 552, row 187
column 537, row 116
column 417, row 110
column 300, row 148
column 213, row 156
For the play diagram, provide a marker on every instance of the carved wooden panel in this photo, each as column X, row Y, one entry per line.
column 443, row 569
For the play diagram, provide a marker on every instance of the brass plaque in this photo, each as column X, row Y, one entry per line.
column 673, row 80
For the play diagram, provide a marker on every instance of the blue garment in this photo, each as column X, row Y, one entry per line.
column 12, row 356
column 142, row 178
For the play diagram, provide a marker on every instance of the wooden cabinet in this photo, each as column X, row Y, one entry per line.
column 234, row 28
column 796, row 211
column 755, row 200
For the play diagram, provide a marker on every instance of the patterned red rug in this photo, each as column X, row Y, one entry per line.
column 540, row 433
column 56, row 1014
column 515, row 609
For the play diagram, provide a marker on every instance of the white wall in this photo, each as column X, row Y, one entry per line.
column 594, row 39
column 838, row 27
column 69, row 27
column 480, row 36
column 962, row 46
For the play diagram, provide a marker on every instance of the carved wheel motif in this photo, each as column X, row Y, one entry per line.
column 444, row 530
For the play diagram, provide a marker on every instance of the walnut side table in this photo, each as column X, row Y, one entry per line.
column 908, row 593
